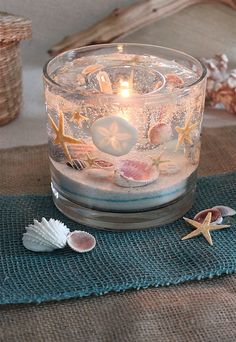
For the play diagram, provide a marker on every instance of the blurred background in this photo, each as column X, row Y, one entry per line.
column 202, row 31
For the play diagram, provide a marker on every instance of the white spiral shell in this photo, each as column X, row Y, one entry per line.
column 45, row 236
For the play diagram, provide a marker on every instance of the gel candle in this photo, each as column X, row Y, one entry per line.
column 124, row 123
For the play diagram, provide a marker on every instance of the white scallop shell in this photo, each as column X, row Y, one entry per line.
column 225, row 211
column 81, row 241
column 45, row 236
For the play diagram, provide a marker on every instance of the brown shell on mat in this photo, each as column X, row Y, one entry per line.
column 216, row 216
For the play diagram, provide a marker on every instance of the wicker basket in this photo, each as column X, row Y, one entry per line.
column 12, row 30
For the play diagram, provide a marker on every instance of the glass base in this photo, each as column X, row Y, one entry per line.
column 120, row 221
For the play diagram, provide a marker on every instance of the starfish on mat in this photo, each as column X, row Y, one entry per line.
column 61, row 137
column 203, row 228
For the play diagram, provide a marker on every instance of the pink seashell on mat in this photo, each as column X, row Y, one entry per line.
column 159, row 133
column 135, row 173
column 81, row 241
column 215, row 218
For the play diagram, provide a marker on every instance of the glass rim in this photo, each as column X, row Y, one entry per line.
column 172, row 93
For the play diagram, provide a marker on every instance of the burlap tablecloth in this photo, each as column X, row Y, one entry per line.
column 195, row 311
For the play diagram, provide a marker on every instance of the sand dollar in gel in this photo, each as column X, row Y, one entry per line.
column 114, row 135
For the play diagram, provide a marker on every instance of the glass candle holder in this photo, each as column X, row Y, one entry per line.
column 124, row 123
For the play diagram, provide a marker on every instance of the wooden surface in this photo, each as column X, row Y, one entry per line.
column 123, row 21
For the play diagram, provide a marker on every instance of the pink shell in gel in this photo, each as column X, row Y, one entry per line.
column 135, row 173
column 159, row 133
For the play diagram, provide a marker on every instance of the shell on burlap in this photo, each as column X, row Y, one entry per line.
column 81, row 241
column 225, row 211
column 215, row 218
column 45, row 236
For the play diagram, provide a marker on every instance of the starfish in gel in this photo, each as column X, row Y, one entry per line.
column 90, row 161
column 61, row 138
column 113, row 135
column 79, row 118
column 184, row 133
column 203, row 228
column 156, row 161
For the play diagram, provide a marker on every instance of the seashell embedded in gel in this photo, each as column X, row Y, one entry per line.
column 104, row 82
column 81, row 241
column 91, row 68
column 135, row 173
column 169, row 169
column 159, row 133
column 77, row 164
column 225, row 211
column 45, row 236
column 103, row 164
column 174, row 81
column 216, row 216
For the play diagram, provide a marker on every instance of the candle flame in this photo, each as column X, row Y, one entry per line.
column 125, row 88
column 125, row 92
column 120, row 48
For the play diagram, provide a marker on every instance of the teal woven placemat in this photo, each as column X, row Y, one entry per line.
column 120, row 261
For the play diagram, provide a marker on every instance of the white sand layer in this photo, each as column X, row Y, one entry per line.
column 95, row 188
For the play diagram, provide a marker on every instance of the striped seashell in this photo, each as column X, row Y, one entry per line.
column 77, row 164
column 45, row 236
